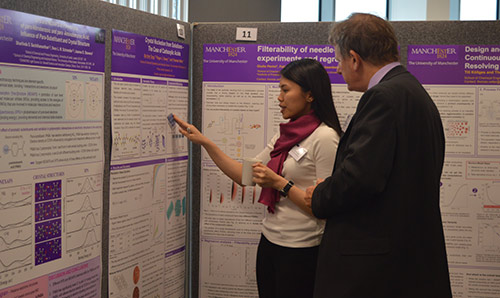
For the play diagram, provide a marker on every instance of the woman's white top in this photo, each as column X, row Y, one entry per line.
column 289, row 226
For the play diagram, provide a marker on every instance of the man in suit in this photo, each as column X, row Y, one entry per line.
column 384, row 235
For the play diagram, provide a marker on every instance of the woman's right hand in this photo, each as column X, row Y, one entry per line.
column 229, row 166
column 190, row 131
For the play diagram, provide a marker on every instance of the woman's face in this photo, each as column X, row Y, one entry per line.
column 293, row 102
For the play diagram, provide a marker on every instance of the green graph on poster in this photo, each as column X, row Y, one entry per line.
column 177, row 209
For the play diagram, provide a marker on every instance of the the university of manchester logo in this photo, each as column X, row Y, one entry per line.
column 441, row 53
column 128, row 42
column 231, row 51
column 5, row 20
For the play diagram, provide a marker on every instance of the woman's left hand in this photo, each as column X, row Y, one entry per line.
column 265, row 177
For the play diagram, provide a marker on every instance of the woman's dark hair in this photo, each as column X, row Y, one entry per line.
column 311, row 76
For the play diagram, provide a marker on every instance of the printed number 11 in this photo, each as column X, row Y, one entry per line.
column 246, row 34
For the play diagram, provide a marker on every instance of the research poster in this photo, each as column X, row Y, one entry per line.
column 240, row 114
column 464, row 82
column 149, row 161
column 51, row 158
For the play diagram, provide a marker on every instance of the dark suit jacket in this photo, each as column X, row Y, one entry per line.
column 384, row 235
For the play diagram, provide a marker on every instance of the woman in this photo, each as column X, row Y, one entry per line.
column 295, row 158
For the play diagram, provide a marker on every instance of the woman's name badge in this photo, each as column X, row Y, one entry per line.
column 297, row 152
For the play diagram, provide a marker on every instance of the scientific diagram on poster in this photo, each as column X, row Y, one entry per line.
column 83, row 213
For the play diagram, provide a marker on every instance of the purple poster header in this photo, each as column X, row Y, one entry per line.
column 125, row 79
column 178, row 158
column 175, row 251
column 34, row 40
column 455, row 64
column 261, row 63
column 136, row 164
column 178, row 84
column 143, row 55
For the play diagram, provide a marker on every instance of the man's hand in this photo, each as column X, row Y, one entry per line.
column 309, row 193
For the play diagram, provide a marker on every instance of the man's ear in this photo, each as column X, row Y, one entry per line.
column 356, row 60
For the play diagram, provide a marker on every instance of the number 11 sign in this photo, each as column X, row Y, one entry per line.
column 246, row 34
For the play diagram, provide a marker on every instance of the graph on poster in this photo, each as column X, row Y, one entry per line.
column 126, row 144
column 457, row 129
column 158, row 188
column 492, row 195
column 16, row 235
column 12, row 262
column 14, row 149
column 176, row 209
column 15, row 239
column 489, row 104
column 86, row 240
column 177, row 142
column 227, row 124
column 153, row 140
column 158, row 225
column 222, row 192
column 459, row 196
column 236, row 134
column 75, row 100
column 489, row 236
column 121, row 242
column 232, row 261
column 16, row 196
column 83, row 212
column 94, row 100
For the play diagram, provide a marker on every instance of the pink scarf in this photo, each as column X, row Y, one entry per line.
column 291, row 133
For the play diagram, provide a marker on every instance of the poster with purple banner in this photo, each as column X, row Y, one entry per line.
column 241, row 113
column 455, row 64
column 261, row 63
column 52, row 157
column 143, row 55
column 464, row 82
column 149, row 83
column 41, row 41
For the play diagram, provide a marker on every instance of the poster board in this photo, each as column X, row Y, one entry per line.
column 465, row 277
column 107, row 17
column 103, row 15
